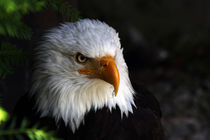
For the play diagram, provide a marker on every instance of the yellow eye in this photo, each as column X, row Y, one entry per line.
column 80, row 58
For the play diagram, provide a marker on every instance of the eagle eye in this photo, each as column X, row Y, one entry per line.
column 80, row 58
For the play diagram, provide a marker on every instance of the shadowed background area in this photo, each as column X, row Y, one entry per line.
column 166, row 46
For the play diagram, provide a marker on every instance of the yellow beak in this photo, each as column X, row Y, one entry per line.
column 106, row 70
column 109, row 72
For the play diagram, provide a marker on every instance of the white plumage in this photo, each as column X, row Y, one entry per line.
column 64, row 93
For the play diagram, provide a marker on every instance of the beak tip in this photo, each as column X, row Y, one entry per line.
column 115, row 91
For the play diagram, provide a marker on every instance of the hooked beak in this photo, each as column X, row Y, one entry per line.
column 106, row 70
column 109, row 72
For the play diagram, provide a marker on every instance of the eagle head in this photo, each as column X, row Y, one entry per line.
column 78, row 67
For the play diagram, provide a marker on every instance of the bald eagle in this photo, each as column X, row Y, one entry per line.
column 81, row 87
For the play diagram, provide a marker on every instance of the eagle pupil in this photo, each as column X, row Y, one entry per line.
column 81, row 58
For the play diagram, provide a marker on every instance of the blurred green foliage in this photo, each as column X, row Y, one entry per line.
column 3, row 115
column 12, row 132
column 12, row 26
column 11, row 13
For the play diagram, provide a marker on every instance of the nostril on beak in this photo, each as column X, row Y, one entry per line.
column 104, row 64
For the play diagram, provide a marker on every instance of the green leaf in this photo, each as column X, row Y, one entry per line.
column 3, row 115
column 31, row 136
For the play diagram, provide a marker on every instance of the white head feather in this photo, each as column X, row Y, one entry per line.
column 62, row 92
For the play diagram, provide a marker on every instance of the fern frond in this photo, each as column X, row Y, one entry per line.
column 11, row 130
column 11, row 13
column 33, row 134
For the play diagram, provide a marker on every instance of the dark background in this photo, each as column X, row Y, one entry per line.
column 166, row 46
